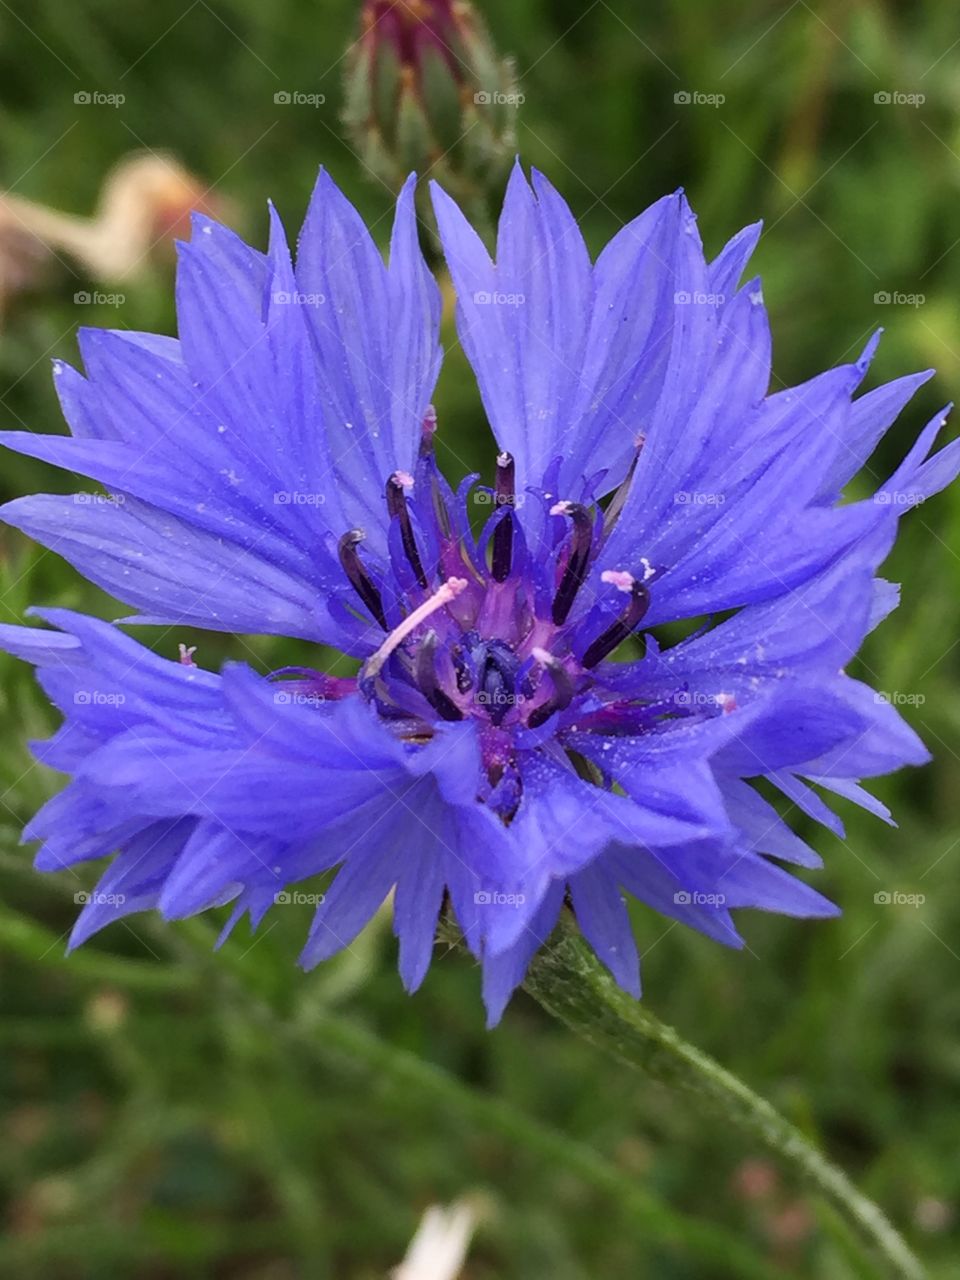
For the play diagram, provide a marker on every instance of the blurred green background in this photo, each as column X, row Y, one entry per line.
column 170, row 1113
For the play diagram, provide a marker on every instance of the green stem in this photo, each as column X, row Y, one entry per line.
column 571, row 984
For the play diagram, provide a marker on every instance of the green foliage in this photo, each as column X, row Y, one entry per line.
column 170, row 1112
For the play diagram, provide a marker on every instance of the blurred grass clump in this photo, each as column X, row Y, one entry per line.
column 167, row 1112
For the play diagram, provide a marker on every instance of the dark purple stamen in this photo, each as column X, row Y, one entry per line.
column 504, row 496
column 612, row 513
column 440, row 512
column 428, row 684
column 578, row 560
column 397, row 507
column 563, row 689
column 427, row 431
column 357, row 575
column 462, row 671
column 621, row 629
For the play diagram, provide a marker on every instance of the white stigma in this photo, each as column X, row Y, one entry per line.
column 440, row 598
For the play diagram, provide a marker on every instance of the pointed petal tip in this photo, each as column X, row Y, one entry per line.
column 865, row 358
column 200, row 220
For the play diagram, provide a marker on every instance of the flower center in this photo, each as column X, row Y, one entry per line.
column 486, row 627
column 509, row 628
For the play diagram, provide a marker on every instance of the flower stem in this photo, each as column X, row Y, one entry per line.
column 571, row 984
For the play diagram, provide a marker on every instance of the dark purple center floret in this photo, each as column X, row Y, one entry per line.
column 511, row 627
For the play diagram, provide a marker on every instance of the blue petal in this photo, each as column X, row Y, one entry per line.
column 728, row 266
column 375, row 333
column 605, row 923
column 574, row 363
column 416, row 906
column 762, row 828
column 504, row 971
column 134, row 879
column 177, row 574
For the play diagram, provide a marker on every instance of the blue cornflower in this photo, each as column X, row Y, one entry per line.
column 500, row 746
